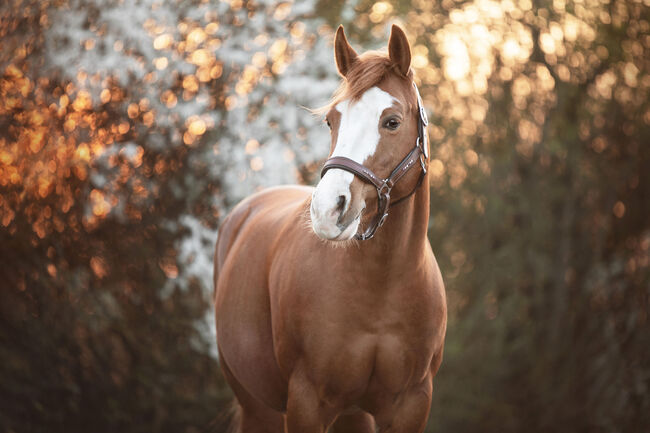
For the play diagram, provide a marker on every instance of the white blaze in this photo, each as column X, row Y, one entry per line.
column 358, row 137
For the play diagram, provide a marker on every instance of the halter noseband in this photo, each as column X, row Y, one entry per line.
column 384, row 186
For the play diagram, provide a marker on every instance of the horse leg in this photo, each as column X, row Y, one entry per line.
column 306, row 412
column 410, row 412
column 252, row 416
column 358, row 422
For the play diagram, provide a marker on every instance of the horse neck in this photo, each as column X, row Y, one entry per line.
column 403, row 236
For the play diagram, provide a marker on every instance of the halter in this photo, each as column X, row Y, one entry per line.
column 384, row 187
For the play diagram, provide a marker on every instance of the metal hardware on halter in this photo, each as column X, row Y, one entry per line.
column 423, row 116
column 387, row 186
column 384, row 186
column 422, row 124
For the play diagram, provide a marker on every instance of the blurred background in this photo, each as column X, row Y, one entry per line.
column 129, row 128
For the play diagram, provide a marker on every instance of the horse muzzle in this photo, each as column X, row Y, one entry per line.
column 334, row 215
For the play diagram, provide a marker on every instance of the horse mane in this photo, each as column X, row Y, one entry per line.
column 370, row 69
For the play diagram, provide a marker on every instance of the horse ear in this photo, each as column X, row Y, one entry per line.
column 344, row 53
column 399, row 50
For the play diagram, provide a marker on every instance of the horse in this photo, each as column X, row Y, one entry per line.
column 330, row 305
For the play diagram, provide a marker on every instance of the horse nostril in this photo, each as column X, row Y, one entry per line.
column 340, row 203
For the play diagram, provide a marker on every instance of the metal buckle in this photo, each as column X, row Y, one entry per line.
column 425, row 122
column 423, row 145
column 422, row 163
column 381, row 221
column 385, row 188
column 423, row 116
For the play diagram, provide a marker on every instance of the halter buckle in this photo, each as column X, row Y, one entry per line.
column 385, row 188
column 423, row 145
column 381, row 221
column 423, row 116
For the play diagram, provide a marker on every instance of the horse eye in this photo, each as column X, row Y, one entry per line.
column 391, row 124
column 329, row 125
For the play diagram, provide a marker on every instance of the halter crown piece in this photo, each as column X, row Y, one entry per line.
column 384, row 186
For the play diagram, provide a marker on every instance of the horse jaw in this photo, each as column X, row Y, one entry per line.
column 358, row 137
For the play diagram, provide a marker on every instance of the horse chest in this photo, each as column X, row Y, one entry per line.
column 351, row 342
column 405, row 340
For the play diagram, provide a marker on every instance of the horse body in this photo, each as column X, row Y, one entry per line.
column 312, row 334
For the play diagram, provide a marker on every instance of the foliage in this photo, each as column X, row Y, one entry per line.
column 539, row 212
column 118, row 123
column 127, row 129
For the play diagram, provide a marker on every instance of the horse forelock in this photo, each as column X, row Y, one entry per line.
column 370, row 69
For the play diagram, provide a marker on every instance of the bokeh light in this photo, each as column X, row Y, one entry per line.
column 129, row 129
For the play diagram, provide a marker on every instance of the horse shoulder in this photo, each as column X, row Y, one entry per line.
column 259, row 209
column 227, row 233
column 242, row 305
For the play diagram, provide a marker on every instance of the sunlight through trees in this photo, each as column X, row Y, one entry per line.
column 127, row 129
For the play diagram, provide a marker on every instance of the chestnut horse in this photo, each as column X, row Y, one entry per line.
column 320, row 323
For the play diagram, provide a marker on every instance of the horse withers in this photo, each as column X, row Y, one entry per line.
column 330, row 306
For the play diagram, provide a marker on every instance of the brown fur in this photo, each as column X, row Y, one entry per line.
column 312, row 337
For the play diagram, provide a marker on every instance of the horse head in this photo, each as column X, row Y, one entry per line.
column 375, row 120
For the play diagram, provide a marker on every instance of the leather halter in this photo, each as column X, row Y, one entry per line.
column 384, row 186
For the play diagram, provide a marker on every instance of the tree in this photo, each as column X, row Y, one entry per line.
column 121, row 147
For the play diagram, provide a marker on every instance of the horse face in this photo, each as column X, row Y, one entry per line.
column 336, row 206
column 376, row 129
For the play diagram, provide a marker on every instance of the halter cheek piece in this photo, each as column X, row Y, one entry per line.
column 384, row 186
